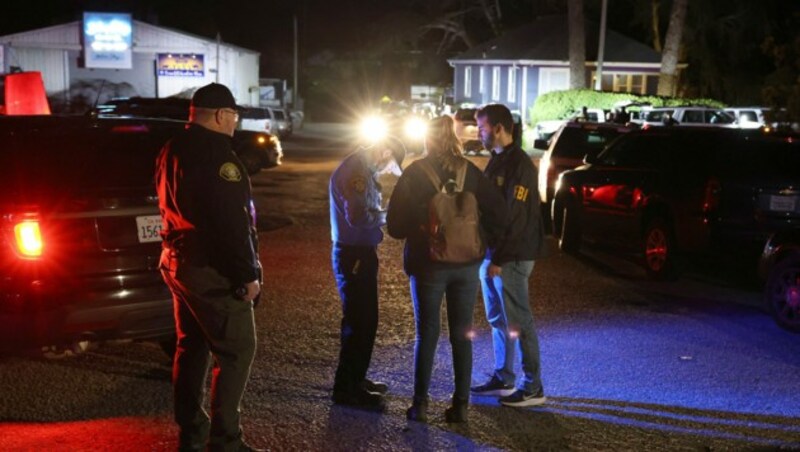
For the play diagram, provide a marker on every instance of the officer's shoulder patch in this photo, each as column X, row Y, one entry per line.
column 359, row 183
column 230, row 172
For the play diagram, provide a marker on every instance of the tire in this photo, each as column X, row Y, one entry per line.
column 569, row 231
column 658, row 247
column 782, row 293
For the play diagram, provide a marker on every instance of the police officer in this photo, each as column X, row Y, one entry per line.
column 210, row 263
column 356, row 220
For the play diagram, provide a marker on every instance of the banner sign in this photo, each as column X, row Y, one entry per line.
column 180, row 65
column 107, row 39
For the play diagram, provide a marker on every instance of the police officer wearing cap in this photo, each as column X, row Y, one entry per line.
column 356, row 219
column 210, row 263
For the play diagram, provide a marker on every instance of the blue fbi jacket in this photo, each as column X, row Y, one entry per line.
column 355, row 199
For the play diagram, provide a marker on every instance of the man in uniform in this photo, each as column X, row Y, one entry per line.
column 508, row 266
column 210, row 263
column 356, row 219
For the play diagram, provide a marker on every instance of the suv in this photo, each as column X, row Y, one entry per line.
column 79, row 225
column 687, row 116
column 256, row 150
column 567, row 149
column 748, row 117
column 666, row 190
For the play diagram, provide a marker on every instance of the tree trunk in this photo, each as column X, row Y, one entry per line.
column 654, row 7
column 577, row 45
column 667, row 81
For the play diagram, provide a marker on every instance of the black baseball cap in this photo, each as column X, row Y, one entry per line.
column 213, row 95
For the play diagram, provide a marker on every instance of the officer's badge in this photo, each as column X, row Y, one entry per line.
column 359, row 184
column 500, row 181
column 230, row 172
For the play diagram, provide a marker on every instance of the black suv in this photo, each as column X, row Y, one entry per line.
column 567, row 148
column 79, row 222
column 667, row 190
column 256, row 150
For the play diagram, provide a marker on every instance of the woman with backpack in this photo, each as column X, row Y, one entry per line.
column 447, row 212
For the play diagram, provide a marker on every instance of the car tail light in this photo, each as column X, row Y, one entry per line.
column 28, row 239
column 711, row 195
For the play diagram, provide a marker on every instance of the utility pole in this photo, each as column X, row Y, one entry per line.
column 295, row 87
column 601, row 47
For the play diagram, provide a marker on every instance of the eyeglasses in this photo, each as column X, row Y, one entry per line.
column 231, row 111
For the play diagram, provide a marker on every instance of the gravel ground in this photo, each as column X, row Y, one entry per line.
column 627, row 365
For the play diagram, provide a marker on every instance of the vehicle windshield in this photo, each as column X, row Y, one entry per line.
column 279, row 115
column 576, row 142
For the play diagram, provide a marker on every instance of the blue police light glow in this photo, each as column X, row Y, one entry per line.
column 107, row 39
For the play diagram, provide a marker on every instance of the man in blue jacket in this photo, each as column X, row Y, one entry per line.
column 507, row 268
column 356, row 218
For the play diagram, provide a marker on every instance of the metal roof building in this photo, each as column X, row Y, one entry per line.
column 109, row 55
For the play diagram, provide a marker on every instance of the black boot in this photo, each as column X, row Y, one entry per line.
column 418, row 412
column 457, row 413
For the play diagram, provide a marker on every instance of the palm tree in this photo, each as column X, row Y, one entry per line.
column 667, row 81
column 577, row 45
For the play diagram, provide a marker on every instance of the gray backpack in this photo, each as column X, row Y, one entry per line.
column 453, row 220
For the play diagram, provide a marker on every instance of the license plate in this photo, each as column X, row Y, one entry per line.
column 149, row 227
column 782, row 203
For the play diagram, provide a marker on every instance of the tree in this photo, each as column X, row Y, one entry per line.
column 667, row 80
column 577, row 45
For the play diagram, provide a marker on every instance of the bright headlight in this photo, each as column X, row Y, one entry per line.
column 374, row 129
column 415, row 128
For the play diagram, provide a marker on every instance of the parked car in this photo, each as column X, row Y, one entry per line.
column 567, row 149
column 780, row 267
column 670, row 190
column 80, row 226
column 256, row 149
column 280, row 122
column 748, row 117
column 687, row 116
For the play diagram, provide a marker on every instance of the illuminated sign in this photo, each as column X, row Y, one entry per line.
column 180, row 65
column 107, row 39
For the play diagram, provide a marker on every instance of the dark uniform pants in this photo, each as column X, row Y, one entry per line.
column 356, row 272
column 209, row 321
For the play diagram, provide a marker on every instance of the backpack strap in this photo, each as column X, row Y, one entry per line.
column 431, row 173
column 461, row 176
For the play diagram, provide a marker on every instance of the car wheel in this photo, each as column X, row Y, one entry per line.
column 782, row 293
column 659, row 251
column 569, row 232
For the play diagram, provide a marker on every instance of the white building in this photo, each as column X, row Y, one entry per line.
column 127, row 58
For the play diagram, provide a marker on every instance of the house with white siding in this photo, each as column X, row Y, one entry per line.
column 522, row 64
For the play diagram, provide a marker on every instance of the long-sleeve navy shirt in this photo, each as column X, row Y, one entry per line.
column 355, row 203
column 205, row 201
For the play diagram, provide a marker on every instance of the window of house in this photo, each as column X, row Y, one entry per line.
column 467, row 81
column 622, row 83
column 496, row 83
column 512, row 84
column 481, row 79
column 553, row 79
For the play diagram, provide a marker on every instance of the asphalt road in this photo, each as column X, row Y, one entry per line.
column 627, row 364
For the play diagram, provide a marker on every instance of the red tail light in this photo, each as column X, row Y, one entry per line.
column 28, row 239
column 711, row 195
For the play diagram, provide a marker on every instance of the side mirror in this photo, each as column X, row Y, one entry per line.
column 541, row 145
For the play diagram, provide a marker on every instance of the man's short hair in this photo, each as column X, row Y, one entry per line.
column 497, row 114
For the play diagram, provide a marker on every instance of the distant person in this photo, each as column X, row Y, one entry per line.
column 509, row 262
column 433, row 280
column 210, row 263
column 668, row 120
column 622, row 117
column 356, row 218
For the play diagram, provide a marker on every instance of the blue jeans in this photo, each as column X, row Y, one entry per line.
column 508, row 311
column 459, row 286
